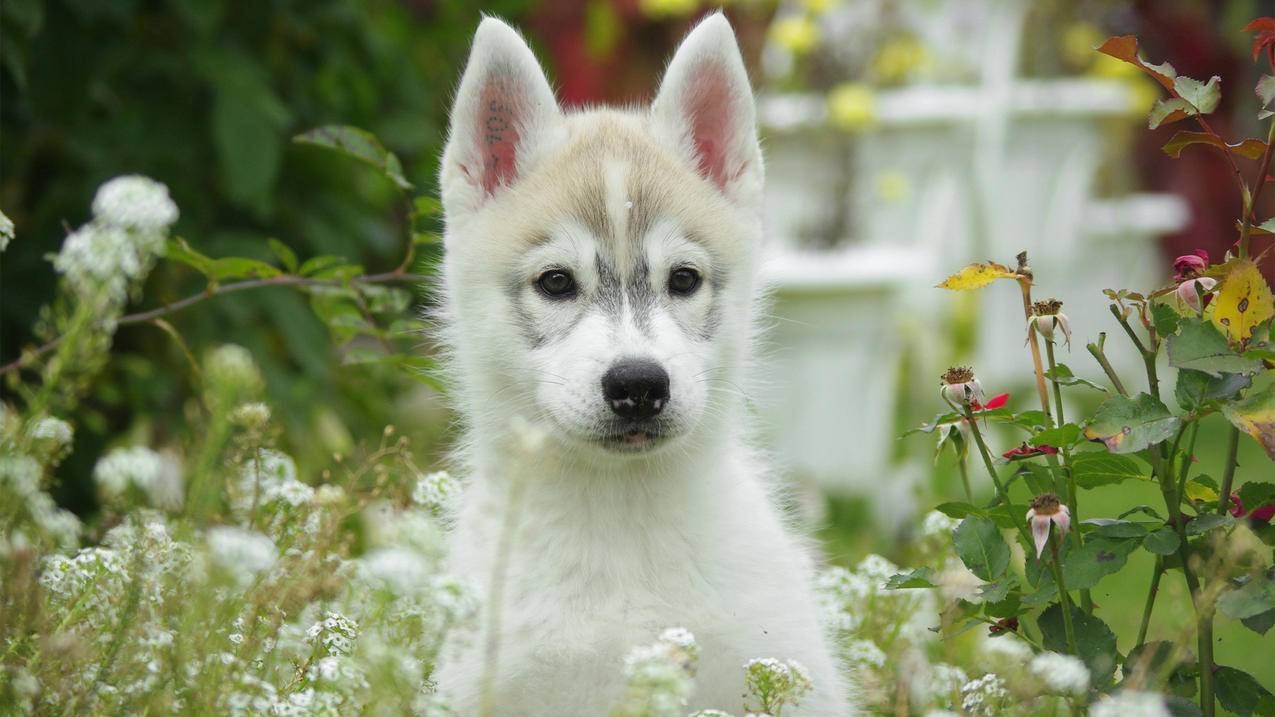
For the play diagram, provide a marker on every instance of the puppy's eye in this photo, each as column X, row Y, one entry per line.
column 557, row 284
column 683, row 281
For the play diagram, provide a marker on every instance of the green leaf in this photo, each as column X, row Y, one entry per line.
column 1098, row 558
column 1202, row 524
column 235, row 267
column 1200, row 346
column 1266, row 90
column 1063, row 376
column 1169, row 111
column 1196, row 388
column 1201, row 489
column 426, row 206
column 1249, row 148
column 1095, row 642
column 316, row 264
column 1261, row 622
column 1094, row 468
column 1128, row 425
column 980, row 546
column 1164, row 541
column 958, row 510
column 1151, row 661
column 1203, row 96
column 995, row 592
column 1107, row 528
column 1255, row 494
column 247, row 121
column 1143, row 509
column 179, row 251
column 1238, row 691
column 1254, row 597
column 1255, row 415
column 1164, row 317
column 287, row 257
column 361, row 145
column 1062, row 436
column 920, row 578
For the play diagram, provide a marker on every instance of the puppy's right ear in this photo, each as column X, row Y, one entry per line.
column 504, row 118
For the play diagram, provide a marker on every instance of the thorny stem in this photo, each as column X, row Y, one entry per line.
column 1096, row 349
column 398, row 276
column 1148, row 354
column 1228, row 475
column 1025, row 286
column 1250, row 200
column 1073, row 496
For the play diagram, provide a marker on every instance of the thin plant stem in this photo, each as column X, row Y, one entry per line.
column 1025, row 286
column 1063, row 598
column 965, row 478
column 1001, row 493
column 1228, row 473
column 1149, row 605
column 1073, row 496
column 1096, row 349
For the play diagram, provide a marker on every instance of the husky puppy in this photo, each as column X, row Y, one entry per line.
column 599, row 292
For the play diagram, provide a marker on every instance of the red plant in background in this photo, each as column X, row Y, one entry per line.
column 1264, row 40
column 1262, row 514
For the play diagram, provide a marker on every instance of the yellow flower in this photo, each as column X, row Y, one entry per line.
column 893, row 185
column 796, row 33
column 1078, row 42
column 897, row 59
column 668, row 8
column 852, row 106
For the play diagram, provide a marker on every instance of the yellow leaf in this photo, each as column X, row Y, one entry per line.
column 1200, row 492
column 1243, row 302
column 1255, row 415
column 976, row 276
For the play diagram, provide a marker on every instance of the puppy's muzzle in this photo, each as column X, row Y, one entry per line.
column 636, row 389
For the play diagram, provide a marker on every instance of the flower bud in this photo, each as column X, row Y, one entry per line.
column 1047, row 317
column 960, row 387
column 1189, row 266
column 1197, row 297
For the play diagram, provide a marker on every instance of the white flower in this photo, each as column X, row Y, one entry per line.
column 863, row 653
column 957, row 582
column 1062, row 673
column 56, row 430
column 268, row 479
column 937, row 524
column 435, row 491
column 123, row 468
column 1047, row 317
column 251, row 415
column 100, row 257
column 984, row 696
column 1046, row 509
column 230, row 371
column 776, row 683
column 6, row 231
column 135, row 202
column 336, row 632
column 242, row 553
column 659, row 676
column 401, row 571
column 1131, row 703
column 1007, row 646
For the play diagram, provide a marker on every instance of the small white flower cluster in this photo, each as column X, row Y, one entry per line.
column 660, row 676
column 268, row 480
column 1131, row 703
column 984, row 696
column 938, row 524
column 241, row 553
column 131, row 219
column 139, row 468
column 335, row 632
column 1064, row 674
column 776, row 683
column 53, row 430
column 435, row 492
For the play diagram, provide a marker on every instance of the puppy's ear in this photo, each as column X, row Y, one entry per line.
column 705, row 110
column 504, row 117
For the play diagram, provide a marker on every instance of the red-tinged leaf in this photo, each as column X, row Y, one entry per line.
column 1126, row 48
column 1169, row 111
column 1265, row 37
column 1249, row 148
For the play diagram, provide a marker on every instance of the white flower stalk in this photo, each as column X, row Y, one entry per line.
column 135, row 202
column 435, row 492
column 122, row 469
column 1194, row 292
column 985, row 696
column 1063, row 674
column 960, row 388
column 1048, row 320
column 53, row 431
column 101, row 258
column 776, row 684
column 6, row 231
column 1047, row 509
column 660, row 676
column 231, row 375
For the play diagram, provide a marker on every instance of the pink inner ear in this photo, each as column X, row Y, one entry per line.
column 708, row 108
column 498, row 108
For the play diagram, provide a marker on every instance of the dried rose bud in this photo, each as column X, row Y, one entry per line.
column 1046, row 509
column 1047, row 317
column 1197, row 297
column 960, row 387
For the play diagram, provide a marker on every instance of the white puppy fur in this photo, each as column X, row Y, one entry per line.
column 604, row 520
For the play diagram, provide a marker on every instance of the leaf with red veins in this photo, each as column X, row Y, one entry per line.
column 1126, row 48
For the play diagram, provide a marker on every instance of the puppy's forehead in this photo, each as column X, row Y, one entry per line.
column 614, row 180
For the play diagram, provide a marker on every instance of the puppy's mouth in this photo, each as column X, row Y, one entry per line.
column 633, row 438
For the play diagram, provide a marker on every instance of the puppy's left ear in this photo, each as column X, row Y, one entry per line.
column 705, row 110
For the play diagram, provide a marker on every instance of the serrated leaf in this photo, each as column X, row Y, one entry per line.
column 1063, row 376
column 235, row 267
column 1201, row 347
column 958, row 510
column 1203, row 96
column 358, row 144
column 1249, row 148
column 1164, row 541
column 1239, row 691
column 1169, row 111
column 1255, row 494
column 1165, row 318
column 1265, row 90
column 1096, row 559
column 1196, row 388
column 1128, row 425
column 1062, row 436
column 1243, row 301
column 1126, row 48
column 1095, row 642
column 976, row 276
column 1255, row 415
column 1201, row 489
column 922, row 577
column 1202, row 524
column 1249, row 600
column 1096, row 468
column 980, row 546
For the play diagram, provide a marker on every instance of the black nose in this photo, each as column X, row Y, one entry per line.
column 636, row 389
